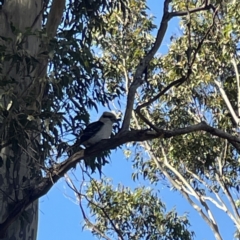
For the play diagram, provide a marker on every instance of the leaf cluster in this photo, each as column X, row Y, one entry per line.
column 137, row 214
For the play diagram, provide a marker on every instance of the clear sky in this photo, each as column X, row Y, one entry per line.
column 60, row 217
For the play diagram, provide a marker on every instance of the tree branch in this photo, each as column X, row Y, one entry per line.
column 176, row 82
column 186, row 189
column 220, row 203
column 137, row 80
column 193, row 204
column 206, row 6
column 212, row 224
column 79, row 196
column 58, row 171
column 238, row 83
column 55, row 17
column 116, row 229
column 230, row 199
column 53, row 21
column 183, row 79
column 227, row 102
column 180, row 186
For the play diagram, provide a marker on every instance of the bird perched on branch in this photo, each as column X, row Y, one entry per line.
column 99, row 130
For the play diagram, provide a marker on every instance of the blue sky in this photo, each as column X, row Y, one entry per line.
column 60, row 217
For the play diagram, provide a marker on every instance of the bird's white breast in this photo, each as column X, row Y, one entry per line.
column 103, row 133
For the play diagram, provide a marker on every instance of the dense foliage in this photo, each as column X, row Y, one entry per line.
column 180, row 111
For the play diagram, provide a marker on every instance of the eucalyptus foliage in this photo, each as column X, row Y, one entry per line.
column 137, row 214
column 65, row 59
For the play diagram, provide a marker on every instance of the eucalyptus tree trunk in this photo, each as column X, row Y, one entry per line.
column 19, row 169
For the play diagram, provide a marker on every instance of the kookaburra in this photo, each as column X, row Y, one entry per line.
column 99, row 130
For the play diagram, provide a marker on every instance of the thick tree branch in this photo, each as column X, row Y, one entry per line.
column 137, row 80
column 53, row 22
column 55, row 17
column 183, row 79
column 59, row 170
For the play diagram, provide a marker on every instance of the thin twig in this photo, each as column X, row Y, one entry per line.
column 107, row 215
column 79, row 197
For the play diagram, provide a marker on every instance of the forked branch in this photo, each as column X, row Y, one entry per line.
column 137, row 80
column 192, row 59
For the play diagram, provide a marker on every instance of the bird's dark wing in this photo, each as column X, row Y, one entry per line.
column 87, row 133
column 90, row 131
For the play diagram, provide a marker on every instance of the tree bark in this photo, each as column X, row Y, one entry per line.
column 17, row 169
